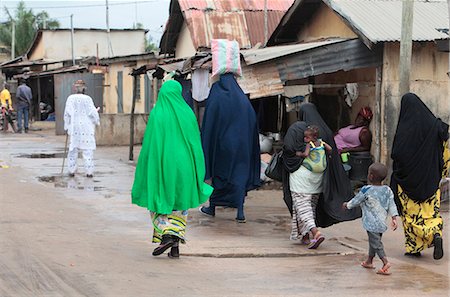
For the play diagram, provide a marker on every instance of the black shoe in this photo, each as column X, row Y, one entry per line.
column 89, row 175
column 71, row 174
column 206, row 212
column 174, row 251
column 438, row 249
column 241, row 220
column 26, row 130
column 167, row 242
column 414, row 255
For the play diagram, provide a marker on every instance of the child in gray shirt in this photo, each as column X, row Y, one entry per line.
column 376, row 202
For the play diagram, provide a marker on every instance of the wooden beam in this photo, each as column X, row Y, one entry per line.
column 133, row 106
column 406, row 46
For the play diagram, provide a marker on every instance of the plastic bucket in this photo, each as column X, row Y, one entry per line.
column 360, row 162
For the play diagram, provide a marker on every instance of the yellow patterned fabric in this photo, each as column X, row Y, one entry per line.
column 422, row 220
column 171, row 224
column 316, row 161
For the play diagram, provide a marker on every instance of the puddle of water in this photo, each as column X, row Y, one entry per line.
column 60, row 182
column 41, row 155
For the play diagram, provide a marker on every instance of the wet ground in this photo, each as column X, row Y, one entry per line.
column 80, row 236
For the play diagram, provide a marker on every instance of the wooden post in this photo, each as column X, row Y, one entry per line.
column 406, row 46
column 379, row 112
column 37, row 112
column 133, row 105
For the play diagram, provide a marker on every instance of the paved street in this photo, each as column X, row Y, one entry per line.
column 82, row 237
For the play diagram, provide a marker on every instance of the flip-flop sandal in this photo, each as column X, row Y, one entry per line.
column 384, row 271
column 368, row 266
column 316, row 242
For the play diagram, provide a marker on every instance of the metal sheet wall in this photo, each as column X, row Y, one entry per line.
column 63, row 88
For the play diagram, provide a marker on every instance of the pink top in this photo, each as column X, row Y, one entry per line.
column 348, row 137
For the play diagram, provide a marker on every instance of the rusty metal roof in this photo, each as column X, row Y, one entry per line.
column 241, row 20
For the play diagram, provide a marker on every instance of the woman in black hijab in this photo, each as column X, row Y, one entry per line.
column 336, row 184
column 421, row 158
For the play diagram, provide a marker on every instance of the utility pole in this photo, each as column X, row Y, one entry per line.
column 13, row 35
column 110, row 51
column 71, row 39
column 266, row 28
column 13, row 40
column 406, row 46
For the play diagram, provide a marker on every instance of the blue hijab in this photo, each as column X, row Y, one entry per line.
column 230, row 138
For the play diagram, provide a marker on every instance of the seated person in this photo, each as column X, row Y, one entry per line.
column 357, row 137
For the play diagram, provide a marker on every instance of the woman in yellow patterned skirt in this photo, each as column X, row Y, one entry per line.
column 421, row 158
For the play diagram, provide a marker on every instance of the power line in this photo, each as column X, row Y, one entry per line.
column 89, row 5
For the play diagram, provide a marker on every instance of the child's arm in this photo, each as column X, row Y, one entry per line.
column 394, row 223
column 357, row 200
column 392, row 209
column 305, row 153
column 328, row 148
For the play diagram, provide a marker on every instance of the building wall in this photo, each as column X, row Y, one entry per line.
column 110, row 95
column 429, row 81
column 185, row 46
column 56, row 45
column 325, row 23
column 114, row 129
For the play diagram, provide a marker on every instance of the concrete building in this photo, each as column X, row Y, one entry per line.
column 55, row 44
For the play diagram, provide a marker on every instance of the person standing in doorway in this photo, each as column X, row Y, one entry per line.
column 23, row 97
column 80, row 118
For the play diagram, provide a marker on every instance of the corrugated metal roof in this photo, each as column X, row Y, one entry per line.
column 345, row 55
column 234, row 5
column 242, row 20
column 255, row 56
column 380, row 20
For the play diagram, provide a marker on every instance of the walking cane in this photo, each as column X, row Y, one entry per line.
column 65, row 152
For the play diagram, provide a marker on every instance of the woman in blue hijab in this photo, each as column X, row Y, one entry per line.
column 231, row 146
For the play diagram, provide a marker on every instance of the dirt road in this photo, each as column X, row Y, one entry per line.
column 81, row 237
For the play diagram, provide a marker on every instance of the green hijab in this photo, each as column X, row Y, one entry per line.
column 171, row 167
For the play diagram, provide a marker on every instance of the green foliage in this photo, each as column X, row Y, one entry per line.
column 27, row 23
column 150, row 46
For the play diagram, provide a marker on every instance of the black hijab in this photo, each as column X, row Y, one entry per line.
column 336, row 184
column 292, row 143
column 417, row 150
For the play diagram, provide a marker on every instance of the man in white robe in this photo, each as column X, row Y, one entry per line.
column 80, row 118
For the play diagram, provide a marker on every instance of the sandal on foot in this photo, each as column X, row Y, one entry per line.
column 167, row 242
column 305, row 240
column 367, row 265
column 316, row 242
column 384, row 270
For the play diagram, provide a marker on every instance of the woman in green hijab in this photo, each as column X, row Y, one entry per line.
column 169, row 177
